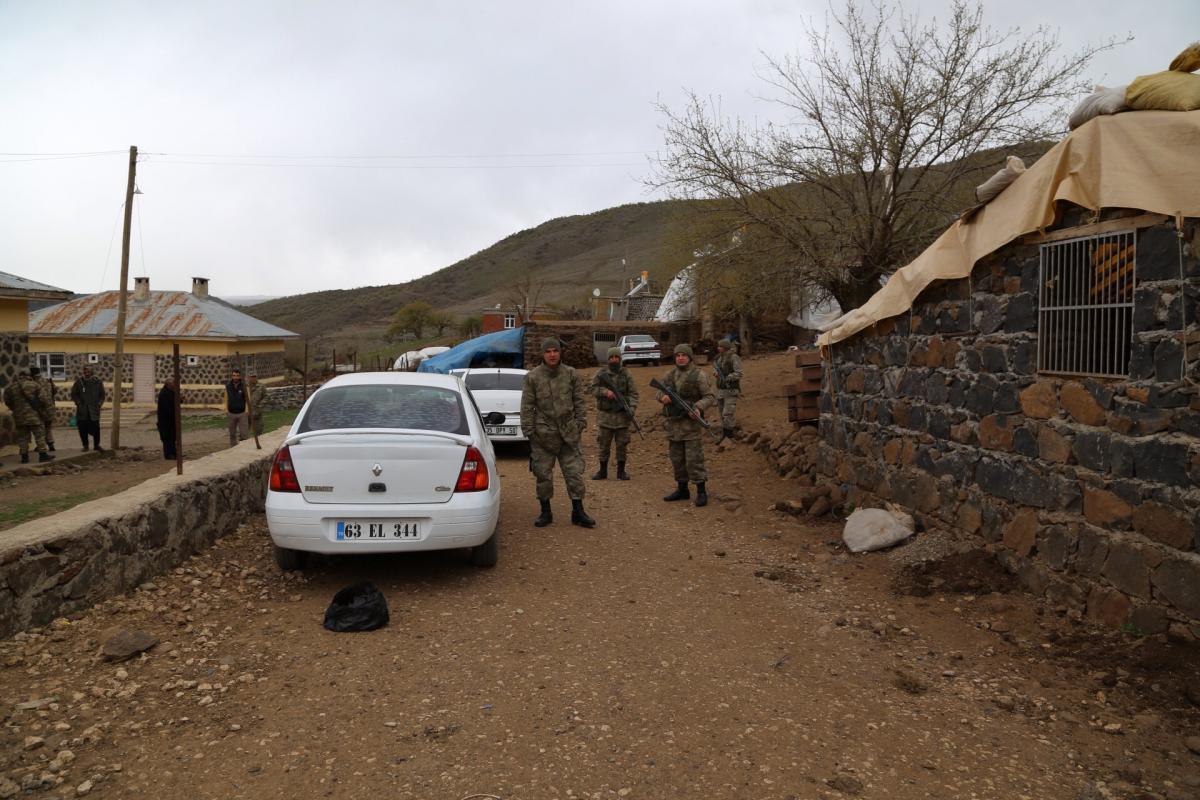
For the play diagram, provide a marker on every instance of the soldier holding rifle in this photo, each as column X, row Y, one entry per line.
column 616, row 400
column 686, row 394
column 728, row 369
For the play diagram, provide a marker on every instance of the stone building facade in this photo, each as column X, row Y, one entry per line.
column 1085, row 486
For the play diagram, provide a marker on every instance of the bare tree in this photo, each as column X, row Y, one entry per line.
column 890, row 120
column 523, row 295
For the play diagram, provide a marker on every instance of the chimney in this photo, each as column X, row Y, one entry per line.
column 200, row 288
column 141, row 290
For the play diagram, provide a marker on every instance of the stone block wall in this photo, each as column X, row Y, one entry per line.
column 60, row 564
column 1086, row 487
column 207, row 370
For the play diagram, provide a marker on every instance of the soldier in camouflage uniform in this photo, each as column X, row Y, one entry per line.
column 553, row 415
column 685, row 444
column 258, row 403
column 46, row 412
column 728, row 371
column 23, row 398
column 611, row 420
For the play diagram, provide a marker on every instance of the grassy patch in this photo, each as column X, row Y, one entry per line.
column 23, row 512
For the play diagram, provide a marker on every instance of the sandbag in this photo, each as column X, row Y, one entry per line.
column 360, row 607
column 1102, row 101
column 987, row 191
column 1164, row 91
column 1188, row 60
column 876, row 528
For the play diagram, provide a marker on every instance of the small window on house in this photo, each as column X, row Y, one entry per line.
column 53, row 365
column 510, row 321
column 1085, row 316
column 93, row 358
column 193, row 360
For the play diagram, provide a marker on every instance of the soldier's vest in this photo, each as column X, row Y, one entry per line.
column 618, row 380
column 687, row 387
column 725, row 364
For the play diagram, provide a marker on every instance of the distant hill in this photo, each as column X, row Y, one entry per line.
column 249, row 299
column 571, row 255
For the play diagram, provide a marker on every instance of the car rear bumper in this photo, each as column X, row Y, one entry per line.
column 643, row 355
column 466, row 520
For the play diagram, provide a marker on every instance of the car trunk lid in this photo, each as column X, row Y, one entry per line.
column 377, row 467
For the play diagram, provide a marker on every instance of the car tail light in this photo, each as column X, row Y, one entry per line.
column 474, row 474
column 283, row 474
column 628, row 348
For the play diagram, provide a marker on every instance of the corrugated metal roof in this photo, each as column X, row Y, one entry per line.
column 164, row 315
column 14, row 285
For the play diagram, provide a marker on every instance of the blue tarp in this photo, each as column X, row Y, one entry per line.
column 502, row 348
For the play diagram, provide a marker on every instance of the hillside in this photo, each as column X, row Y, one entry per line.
column 572, row 255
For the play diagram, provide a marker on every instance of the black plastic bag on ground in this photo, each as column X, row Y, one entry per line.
column 360, row 607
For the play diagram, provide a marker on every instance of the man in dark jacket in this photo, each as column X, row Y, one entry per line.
column 166, row 418
column 235, row 408
column 88, row 395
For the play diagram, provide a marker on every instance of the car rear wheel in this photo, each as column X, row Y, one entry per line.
column 488, row 553
column 289, row 560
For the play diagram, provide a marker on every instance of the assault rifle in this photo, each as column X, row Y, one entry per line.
column 687, row 407
column 720, row 376
column 605, row 381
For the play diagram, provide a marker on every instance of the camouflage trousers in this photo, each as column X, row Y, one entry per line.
column 687, row 459
column 541, row 463
column 38, row 432
column 727, row 403
column 256, row 424
column 48, row 430
column 605, row 438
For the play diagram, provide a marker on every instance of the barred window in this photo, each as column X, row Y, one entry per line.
column 1085, row 317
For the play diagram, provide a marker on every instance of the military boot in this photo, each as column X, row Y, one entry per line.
column 50, row 446
column 546, row 517
column 602, row 473
column 681, row 492
column 579, row 516
column 24, row 458
column 45, row 457
column 728, row 432
column 701, row 495
column 622, row 475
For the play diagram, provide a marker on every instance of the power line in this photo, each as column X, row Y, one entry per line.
column 344, row 157
column 52, row 157
column 396, row 166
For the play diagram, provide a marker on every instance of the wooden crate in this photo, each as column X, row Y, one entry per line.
column 806, row 358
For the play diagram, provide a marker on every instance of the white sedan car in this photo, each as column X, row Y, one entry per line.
column 385, row 462
column 497, row 391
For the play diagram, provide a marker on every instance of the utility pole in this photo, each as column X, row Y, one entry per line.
column 119, row 356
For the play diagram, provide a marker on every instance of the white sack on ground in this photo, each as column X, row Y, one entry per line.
column 874, row 529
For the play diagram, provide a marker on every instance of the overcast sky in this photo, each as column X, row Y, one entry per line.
column 293, row 146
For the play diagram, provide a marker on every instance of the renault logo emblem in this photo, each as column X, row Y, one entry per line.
column 376, row 470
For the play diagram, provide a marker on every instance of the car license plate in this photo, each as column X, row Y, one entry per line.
column 500, row 430
column 374, row 530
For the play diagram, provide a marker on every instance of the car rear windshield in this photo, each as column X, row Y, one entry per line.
column 639, row 337
column 493, row 381
column 428, row 408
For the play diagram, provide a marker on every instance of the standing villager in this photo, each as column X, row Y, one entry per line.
column 685, row 443
column 258, row 403
column 46, row 409
column 554, row 414
column 728, row 371
column 166, row 418
column 612, row 421
column 24, row 400
column 235, row 408
column 88, row 394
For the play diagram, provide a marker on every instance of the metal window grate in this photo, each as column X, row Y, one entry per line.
column 1085, row 309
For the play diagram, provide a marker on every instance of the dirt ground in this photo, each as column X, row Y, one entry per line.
column 723, row 652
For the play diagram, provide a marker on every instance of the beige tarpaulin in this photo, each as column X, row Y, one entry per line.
column 1146, row 160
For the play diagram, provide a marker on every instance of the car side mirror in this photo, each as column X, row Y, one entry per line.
column 493, row 418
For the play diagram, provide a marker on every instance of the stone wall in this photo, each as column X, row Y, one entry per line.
column 207, row 370
column 60, row 564
column 1086, row 487
column 14, row 359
